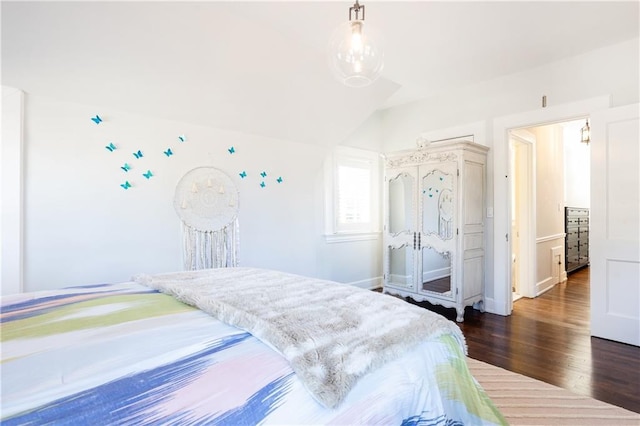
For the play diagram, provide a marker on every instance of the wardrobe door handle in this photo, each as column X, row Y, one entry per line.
column 419, row 242
column 414, row 240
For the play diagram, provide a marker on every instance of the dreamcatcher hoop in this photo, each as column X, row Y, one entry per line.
column 206, row 201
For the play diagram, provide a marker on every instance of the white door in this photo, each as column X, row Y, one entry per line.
column 523, row 253
column 615, row 224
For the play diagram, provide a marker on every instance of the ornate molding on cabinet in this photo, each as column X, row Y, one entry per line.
column 420, row 157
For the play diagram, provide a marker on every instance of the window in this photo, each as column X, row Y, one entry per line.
column 352, row 195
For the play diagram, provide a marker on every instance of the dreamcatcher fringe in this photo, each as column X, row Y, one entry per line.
column 210, row 249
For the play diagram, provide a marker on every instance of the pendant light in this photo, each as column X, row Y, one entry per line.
column 353, row 57
column 585, row 133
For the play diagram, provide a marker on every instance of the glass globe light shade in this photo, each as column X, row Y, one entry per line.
column 353, row 57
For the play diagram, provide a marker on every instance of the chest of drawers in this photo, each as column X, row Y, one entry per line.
column 576, row 224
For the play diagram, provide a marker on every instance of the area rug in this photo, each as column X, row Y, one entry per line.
column 527, row 401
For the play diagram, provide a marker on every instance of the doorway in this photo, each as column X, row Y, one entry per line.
column 548, row 170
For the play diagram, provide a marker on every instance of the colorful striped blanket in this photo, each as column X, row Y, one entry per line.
column 126, row 354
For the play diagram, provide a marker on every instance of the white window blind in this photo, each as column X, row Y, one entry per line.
column 352, row 189
column 353, row 195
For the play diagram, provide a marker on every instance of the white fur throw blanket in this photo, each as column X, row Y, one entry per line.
column 332, row 334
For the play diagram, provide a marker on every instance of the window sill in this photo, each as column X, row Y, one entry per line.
column 351, row 236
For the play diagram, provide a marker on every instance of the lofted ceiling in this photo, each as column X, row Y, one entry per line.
column 261, row 67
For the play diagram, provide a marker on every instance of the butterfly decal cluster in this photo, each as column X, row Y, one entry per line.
column 140, row 158
column 138, row 154
column 263, row 174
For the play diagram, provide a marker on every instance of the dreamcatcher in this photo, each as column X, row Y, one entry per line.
column 206, row 200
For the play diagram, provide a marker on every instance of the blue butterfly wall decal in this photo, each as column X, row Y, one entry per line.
column 243, row 174
column 168, row 152
column 111, row 147
column 262, row 184
column 138, row 154
column 182, row 138
column 148, row 174
column 96, row 119
column 263, row 174
column 279, row 180
column 126, row 167
column 231, row 150
column 126, row 185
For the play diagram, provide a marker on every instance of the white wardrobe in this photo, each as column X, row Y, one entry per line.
column 434, row 224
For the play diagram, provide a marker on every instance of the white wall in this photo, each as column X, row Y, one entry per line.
column 549, row 180
column 577, row 176
column 609, row 71
column 11, row 199
column 549, row 204
column 81, row 227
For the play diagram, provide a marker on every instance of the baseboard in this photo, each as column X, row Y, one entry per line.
column 368, row 284
column 545, row 285
column 490, row 305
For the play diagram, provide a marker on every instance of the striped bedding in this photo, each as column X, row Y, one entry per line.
column 126, row 354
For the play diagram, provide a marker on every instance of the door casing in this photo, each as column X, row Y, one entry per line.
column 502, row 303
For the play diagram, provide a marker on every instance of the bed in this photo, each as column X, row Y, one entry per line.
column 234, row 346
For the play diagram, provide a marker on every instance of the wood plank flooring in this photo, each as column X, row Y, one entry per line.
column 547, row 338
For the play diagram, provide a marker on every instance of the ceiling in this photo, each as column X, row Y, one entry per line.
column 260, row 67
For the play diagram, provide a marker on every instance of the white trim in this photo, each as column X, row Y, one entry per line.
column 528, row 256
column 368, row 284
column 436, row 274
column 545, row 285
column 490, row 305
column 11, row 192
column 501, row 255
column 331, row 227
column 525, row 135
column 476, row 132
column 550, row 238
column 348, row 237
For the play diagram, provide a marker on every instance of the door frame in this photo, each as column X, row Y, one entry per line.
column 527, row 246
column 502, row 303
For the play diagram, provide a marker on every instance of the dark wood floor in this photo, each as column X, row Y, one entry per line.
column 547, row 338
